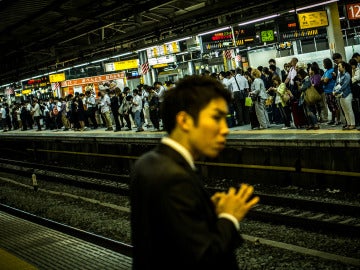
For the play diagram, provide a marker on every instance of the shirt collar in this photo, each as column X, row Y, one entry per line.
column 180, row 149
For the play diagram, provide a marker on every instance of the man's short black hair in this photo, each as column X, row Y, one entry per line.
column 191, row 94
column 336, row 56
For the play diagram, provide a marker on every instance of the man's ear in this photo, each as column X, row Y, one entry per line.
column 184, row 120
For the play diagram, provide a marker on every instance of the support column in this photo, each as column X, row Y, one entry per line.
column 148, row 79
column 191, row 68
column 335, row 37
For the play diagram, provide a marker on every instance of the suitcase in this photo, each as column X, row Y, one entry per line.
column 356, row 109
column 298, row 115
column 253, row 118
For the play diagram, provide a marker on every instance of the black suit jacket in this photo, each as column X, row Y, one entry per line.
column 173, row 221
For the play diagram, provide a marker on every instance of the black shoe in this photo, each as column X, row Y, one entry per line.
column 109, row 129
column 140, row 129
column 118, row 129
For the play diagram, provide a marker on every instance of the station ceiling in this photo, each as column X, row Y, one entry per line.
column 42, row 36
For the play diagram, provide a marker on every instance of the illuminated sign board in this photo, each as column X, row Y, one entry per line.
column 312, row 19
column 127, row 64
column 109, row 67
column 122, row 65
column 225, row 39
column 160, row 65
column 303, row 34
column 287, row 23
column 267, row 35
column 93, row 79
column 161, row 60
column 26, row 92
column 353, row 11
column 165, row 49
column 58, row 77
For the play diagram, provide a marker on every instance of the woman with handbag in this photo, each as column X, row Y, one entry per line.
column 309, row 105
column 282, row 100
column 259, row 95
column 328, row 84
column 343, row 91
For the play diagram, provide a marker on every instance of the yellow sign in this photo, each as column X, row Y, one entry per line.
column 26, row 91
column 58, row 77
column 160, row 65
column 127, row 64
column 312, row 19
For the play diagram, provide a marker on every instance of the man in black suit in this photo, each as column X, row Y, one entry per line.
column 175, row 224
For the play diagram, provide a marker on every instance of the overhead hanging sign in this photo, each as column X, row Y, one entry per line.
column 312, row 19
column 162, row 60
column 224, row 39
column 165, row 49
column 127, row 64
column 353, row 11
column 303, row 34
column 267, row 35
column 58, row 77
column 93, row 79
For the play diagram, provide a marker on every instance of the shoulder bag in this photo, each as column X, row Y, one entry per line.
column 311, row 95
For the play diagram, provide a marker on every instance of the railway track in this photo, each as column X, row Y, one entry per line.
column 126, row 249
column 339, row 218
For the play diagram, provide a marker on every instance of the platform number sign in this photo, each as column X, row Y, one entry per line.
column 267, row 35
column 353, row 11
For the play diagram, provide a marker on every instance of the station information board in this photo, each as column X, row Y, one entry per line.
column 267, row 35
column 313, row 19
column 165, row 49
column 353, row 11
column 58, row 77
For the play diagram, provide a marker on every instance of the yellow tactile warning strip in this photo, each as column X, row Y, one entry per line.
column 52, row 250
column 10, row 262
column 295, row 131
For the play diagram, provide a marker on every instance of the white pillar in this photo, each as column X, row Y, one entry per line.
column 335, row 37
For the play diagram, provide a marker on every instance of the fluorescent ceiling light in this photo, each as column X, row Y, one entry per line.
column 84, row 64
column 182, row 53
column 259, row 19
column 63, row 69
column 119, row 55
column 314, row 5
column 100, row 60
column 214, row 31
column 181, row 39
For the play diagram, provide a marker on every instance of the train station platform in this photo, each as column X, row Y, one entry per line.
column 10, row 262
column 294, row 156
column 26, row 245
column 326, row 135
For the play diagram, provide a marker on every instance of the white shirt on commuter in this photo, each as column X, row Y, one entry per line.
column 136, row 100
column 161, row 93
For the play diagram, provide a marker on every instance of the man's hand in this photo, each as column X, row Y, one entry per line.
column 235, row 203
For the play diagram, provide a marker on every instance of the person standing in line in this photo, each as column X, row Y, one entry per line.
column 36, row 113
column 136, row 109
column 343, row 92
column 174, row 222
column 258, row 93
column 289, row 81
column 91, row 108
column 328, row 84
column 160, row 89
column 104, row 105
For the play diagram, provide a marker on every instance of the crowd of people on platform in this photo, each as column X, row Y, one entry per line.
column 277, row 97
column 81, row 111
column 280, row 96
